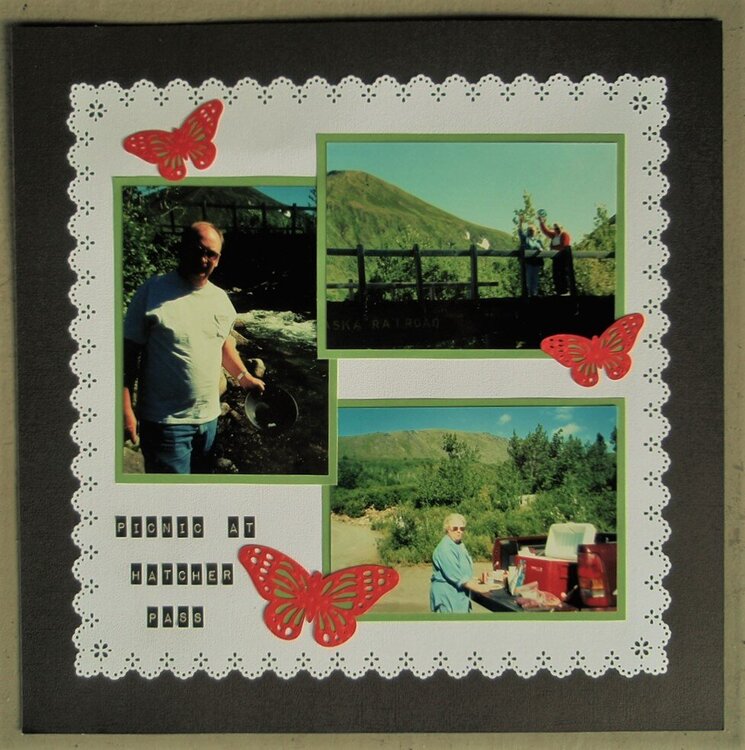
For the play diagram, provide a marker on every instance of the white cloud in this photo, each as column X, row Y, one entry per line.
column 564, row 413
column 505, row 418
column 572, row 428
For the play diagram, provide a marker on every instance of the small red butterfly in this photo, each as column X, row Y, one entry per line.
column 170, row 150
column 585, row 357
column 333, row 602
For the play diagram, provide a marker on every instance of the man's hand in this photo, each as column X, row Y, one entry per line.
column 250, row 383
column 130, row 425
column 130, row 428
column 132, row 353
column 233, row 363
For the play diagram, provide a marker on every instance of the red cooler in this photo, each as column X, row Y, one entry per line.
column 553, row 575
column 556, row 570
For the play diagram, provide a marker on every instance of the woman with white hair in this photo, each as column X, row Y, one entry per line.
column 452, row 569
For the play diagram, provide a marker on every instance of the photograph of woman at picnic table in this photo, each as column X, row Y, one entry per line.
column 429, row 489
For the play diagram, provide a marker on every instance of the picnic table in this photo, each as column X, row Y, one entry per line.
column 500, row 600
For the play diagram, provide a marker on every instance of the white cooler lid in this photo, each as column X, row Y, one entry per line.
column 564, row 538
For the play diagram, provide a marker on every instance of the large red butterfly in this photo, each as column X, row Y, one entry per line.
column 170, row 150
column 333, row 602
column 609, row 351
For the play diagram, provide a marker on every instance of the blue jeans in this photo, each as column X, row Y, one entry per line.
column 177, row 448
column 532, row 279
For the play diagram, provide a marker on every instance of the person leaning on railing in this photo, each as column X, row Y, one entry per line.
column 562, row 263
column 531, row 248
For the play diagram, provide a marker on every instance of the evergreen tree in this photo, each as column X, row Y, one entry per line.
column 508, row 487
column 571, row 460
column 532, row 458
column 601, row 465
column 458, row 478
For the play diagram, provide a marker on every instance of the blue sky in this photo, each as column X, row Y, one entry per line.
column 288, row 194
column 484, row 182
column 584, row 422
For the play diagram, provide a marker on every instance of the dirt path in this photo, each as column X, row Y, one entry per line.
column 353, row 542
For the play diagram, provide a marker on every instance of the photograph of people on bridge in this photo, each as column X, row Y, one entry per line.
column 217, row 340
column 467, row 243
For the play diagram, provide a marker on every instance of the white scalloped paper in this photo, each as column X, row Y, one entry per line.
column 268, row 131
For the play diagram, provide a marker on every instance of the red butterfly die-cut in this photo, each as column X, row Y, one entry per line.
column 585, row 357
column 170, row 149
column 331, row 602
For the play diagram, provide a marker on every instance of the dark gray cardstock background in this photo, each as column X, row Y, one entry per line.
column 688, row 54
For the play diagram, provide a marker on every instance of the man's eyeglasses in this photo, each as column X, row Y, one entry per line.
column 457, row 528
column 205, row 252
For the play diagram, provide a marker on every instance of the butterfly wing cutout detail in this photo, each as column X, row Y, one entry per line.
column 169, row 150
column 345, row 595
column 573, row 352
column 609, row 351
column 284, row 583
column 333, row 602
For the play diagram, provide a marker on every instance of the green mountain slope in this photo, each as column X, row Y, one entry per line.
column 363, row 209
column 419, row 445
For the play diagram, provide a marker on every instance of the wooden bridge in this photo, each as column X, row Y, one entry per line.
column 243, row 218
column 365, row 320
column 360, row 288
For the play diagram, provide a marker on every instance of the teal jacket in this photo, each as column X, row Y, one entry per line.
column 452, row 567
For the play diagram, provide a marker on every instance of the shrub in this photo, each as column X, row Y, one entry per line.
column 350, row 471
column 347, row 502
column 480, row 546
column 355, row 506
column 522, row 523
column 353, row 502
column 411, row 535
column 381, row 498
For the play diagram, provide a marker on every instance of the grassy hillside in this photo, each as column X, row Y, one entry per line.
column 362, row 209
column 419, row 445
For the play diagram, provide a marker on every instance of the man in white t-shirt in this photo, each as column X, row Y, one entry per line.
column 176, row 340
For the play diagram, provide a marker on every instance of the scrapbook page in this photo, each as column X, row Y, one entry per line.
column 369, row 377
